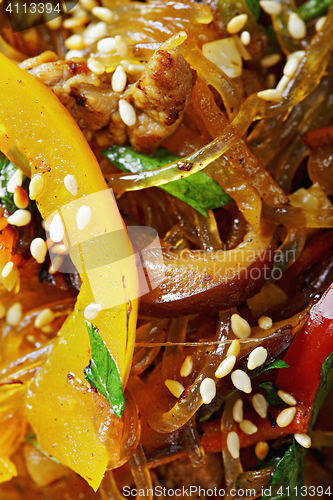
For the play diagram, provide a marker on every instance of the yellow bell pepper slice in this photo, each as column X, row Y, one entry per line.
column 37, row 131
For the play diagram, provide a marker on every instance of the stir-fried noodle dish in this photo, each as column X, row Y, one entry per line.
column 166, row 249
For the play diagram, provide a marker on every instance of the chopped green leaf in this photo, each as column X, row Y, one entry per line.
column 271, row 393
column 32, row 439
column 277, row 363
column 102, row 372
column 254, row 7
column 7, row 170
column 198, row 190
column 313, row 8
column 290, row 469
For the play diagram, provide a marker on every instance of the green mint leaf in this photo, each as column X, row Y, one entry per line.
column 198, row 190
column 290, row 469
column 102, row 372
column 32, row 439
column 271, row 393
column 277, row 363
column 313, row 8
column 7, row 169
column 254, row 8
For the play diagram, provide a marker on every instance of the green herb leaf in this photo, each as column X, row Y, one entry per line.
column 313, row 8
column 277, row 363
column 271, row 393
column 290, row 469
column 198, row 190
column 7, row 169
column 102, row 372
column 32, row 439
column 254, row 8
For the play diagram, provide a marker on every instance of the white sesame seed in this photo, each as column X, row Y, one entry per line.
column 45, row 317
column 290, row 67
column 7, row 269
column 175, row 387
column 103, row 14
column 234, row 348
column 74, row 42
column 20, row 198
column 270, row 60
column 57, row 229
column 248, row 427
column 187, row 366
column 75, row 22
column 20, row 218
column 257, row 357
column 135, row 68
column 282, row 85
column 36, row 186
column 225, row 366
column 296, row 26
column 207, row 390
column 240, row 326
column 92, row 310
column 59, row 249
column 127, row 113
column 286, row 417
column 71, row 184
column 303, row 439
column 260, row 405
column 88, row 4
column 233, row 444
column 320, row 23
column 71, row 54
column 95, row 66
column 119, row 79
column 95, row 32
column 121, row 46
column 83, row 217
column 106, row 45
column 47, row 329
column 237, row 410
column 299, row 54
column 15, row 180
column 45, row 225
column 236, row 24
column 271, row 7
column 56, row 264
column 38, row 249
column 245, row 38
column 2, row 310
column 54, row 24
column 265, row 322
column 270, row 80
column 261, row 450
column 287, row 398
column 14, row 314
column 270, row 95
column 241, row 381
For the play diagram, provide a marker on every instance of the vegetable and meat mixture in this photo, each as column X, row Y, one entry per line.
column 166, row 251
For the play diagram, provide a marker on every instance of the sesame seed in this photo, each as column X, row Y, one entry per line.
column 248, row 427
column 38, row 249
column 92, row 310
column 20, row 218
column 74, row 42
column 47, row 329
column 135, row 68
column 2, row 310
column 303, row 439
column 57, row 229
column 45, row 225
column 106, row 45
column 270, row 60
column 36, row 186
column 71, row 184
column 95, row 32
column 45, row 317
column 95, row 66
column 282, row 85
column 261, row 450
column 236, row 24
column 237, row 410
column 241, row 381
column 7, row 269
column 225, row 366
column 88, row 4
column 260, row 405
column 257, row 357
column 270, row 80
column 265, row 322
column 127, row 112
column 21, row 199
column 175, row 387
column 290, row 67
column 103, row 14
column 119, row 79
column 71, row 54
column 299, row 54
column 234, row 348
column 121, row 46
column 14, row 314
column 270, row 95
column 54, row 24
column 83, row 217
column 270, row 7
column 240, row 326
column 207, row 390
column 187, row 366
column 296, row 26
column 15, row 180
column 233, row 444
column 287, row 398
column 56, row 264
column 245, row 38
column 320, row 24
column 286, row 417
column 75, row 22
column 59, row 249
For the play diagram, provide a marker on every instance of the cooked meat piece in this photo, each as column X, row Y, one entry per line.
column 162, row 95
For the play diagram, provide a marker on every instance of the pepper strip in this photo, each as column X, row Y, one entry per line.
column 35, row 127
